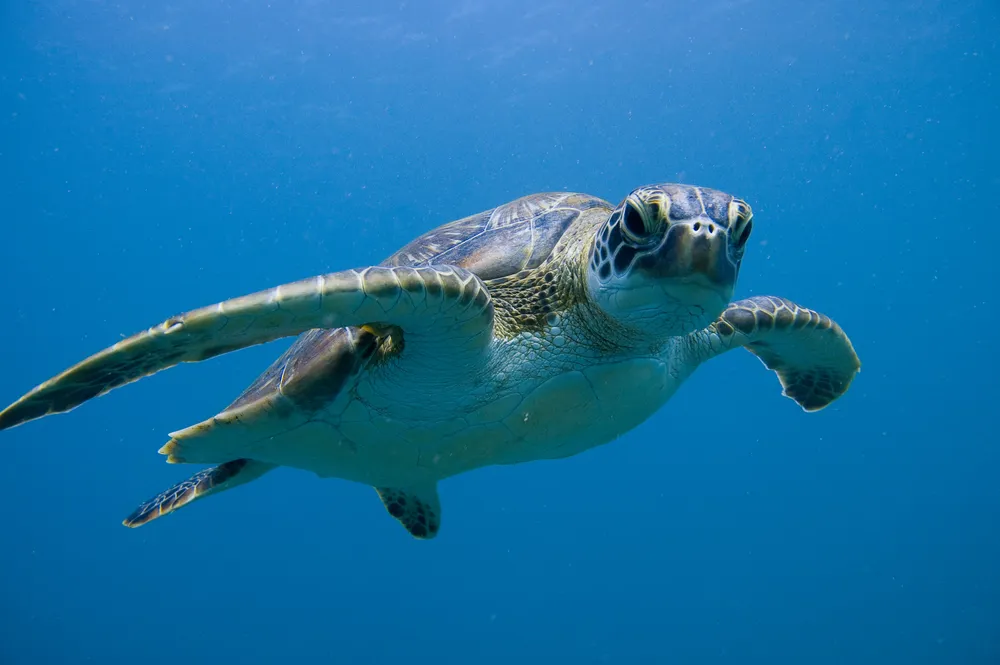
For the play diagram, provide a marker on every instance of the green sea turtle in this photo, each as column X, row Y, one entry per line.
column 535, row 330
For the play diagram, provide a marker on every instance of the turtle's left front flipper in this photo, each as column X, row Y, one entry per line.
column 811, row 355
column 444, row 307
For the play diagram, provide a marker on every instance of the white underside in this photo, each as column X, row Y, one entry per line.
column 393, row 430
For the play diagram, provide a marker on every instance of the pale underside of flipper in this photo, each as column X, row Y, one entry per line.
column 812, row 356
column 204, row 483
column 320, row 368
column 445, row 308
column 312, row 371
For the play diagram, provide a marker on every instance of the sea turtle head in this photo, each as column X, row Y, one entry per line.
column 667, row 258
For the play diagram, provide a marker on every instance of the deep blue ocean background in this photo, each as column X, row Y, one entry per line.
column 157, row 157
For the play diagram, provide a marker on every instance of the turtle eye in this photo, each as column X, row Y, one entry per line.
column 632, row 224
column 741, row 241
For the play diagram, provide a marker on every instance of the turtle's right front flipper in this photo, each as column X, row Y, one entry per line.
column 444, row 307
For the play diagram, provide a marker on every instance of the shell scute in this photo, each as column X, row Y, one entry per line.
column 507, row 240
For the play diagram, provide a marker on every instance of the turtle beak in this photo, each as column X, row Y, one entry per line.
column 695, row 251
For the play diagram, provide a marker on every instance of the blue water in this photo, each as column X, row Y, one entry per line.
column 158, row 157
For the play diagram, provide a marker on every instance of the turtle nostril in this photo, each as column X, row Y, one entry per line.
column 697, row 227
column 711, row 228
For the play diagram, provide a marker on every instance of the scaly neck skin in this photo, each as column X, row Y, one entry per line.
column 630, row 333
column 601, row 329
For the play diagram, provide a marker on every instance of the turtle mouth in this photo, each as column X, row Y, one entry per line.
column 690, row 291
column 692, row 254
column 696, row 281
column 677, row 306
column 696, row 290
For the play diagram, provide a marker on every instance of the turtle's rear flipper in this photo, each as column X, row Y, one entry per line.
column 418, row 508
column 204, row 483
column 811, row 355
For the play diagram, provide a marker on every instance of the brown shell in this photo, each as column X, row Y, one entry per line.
column 503, row 241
